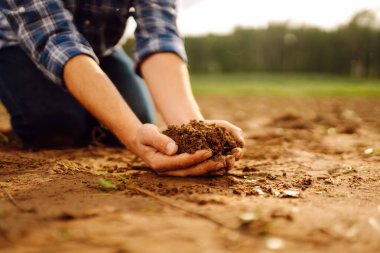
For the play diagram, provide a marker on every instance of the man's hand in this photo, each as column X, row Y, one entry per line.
column 159, row 152
column 237, row 153
column 168, row 80
column 156, row 149
column 236, row 132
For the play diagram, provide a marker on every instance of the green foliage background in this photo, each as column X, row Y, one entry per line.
column 352, row 49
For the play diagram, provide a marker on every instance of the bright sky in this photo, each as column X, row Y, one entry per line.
column 221, row 16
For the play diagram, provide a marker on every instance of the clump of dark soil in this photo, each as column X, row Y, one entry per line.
column 197, row 135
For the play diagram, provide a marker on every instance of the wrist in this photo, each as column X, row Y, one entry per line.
column 127, row 135
column 183, row 114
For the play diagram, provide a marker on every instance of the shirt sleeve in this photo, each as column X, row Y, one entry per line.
column 46, row 33
column 156, row 30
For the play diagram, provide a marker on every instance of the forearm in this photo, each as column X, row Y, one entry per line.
column 168, row 80
column 95, row 91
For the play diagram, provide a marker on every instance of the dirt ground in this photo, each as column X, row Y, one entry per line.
column 309, row 182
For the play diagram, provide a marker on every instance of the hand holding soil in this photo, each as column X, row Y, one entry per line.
column 216, row 155
column 224, row 141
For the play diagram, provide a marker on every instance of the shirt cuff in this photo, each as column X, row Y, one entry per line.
column 149, row 46
column 58, row 54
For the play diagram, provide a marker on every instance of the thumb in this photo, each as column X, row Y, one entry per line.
column 151, row 136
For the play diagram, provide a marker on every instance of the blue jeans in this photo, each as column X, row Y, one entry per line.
column 43, row 114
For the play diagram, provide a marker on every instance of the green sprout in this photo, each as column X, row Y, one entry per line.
column 107, row 185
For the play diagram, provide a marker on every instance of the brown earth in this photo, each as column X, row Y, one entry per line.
column 309, row 182
column 197, row 135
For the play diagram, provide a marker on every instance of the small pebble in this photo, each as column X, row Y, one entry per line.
column 274, row 243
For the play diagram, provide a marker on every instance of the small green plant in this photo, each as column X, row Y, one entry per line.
column 107, row 185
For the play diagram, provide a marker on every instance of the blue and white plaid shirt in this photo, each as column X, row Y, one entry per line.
column 53, row 31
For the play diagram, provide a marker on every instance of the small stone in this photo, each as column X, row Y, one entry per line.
column 331, row 131
column 248, row 217
column 259, row 191
column 275, row 192
column 369, row 151
column 374, row 224
column 290, row 194
column 274, row 243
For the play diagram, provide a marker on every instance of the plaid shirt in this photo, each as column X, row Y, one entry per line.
column 53, row 31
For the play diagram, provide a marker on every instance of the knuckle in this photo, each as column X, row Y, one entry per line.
column 210, row 166
column 147, row 128
column 156, row 165
column 156, row 143
column 142, row 131
column 188, row 159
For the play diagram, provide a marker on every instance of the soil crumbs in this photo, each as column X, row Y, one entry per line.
column 309, row 182
column 197, row 135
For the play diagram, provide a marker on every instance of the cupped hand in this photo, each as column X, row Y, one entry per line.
column 237, row 153
column 159, row 152
column 236, row 132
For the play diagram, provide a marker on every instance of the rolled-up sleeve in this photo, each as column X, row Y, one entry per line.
column 46, row 33
column 156, row 30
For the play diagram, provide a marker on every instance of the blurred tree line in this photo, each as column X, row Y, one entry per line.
column 351, row 49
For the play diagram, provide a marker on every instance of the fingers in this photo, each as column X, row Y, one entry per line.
column 237, row 153
column 234, row 130
column 220, row 172
column 158, row 151
column 161, row 163
column 200, row 169
column 217, row 167
column 150, row 135
column 230, row 162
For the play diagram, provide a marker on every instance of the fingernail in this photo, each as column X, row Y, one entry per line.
column 170, row 148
